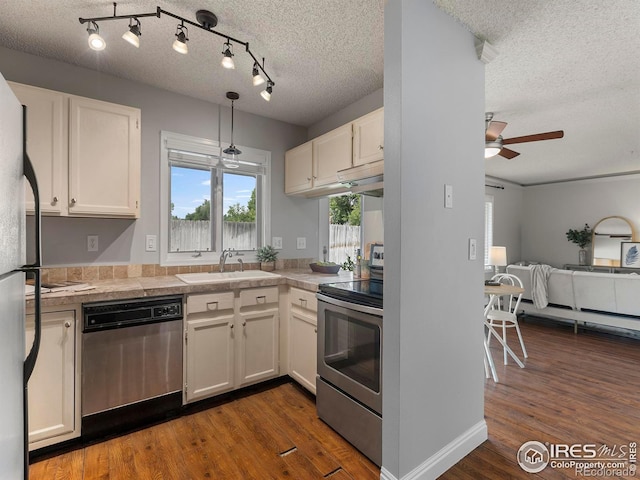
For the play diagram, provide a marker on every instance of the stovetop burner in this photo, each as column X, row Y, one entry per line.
column 363, row 292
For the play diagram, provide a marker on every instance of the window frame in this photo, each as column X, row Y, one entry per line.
column 258, row 163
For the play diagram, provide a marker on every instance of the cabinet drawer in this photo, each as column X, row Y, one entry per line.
column 258, row 296
column 209, row 302
column 303, row 299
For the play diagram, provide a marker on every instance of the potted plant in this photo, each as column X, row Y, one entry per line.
column 582, row 238
column 267, row 257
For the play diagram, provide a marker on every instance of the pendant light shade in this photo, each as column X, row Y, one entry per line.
column 229, row 159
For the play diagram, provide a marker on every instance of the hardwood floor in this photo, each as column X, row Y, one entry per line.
column 581, row 388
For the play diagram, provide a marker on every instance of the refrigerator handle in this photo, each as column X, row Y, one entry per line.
column 29, row 172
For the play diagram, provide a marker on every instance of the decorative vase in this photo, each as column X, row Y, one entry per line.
column 268, row 266
column 582, row 257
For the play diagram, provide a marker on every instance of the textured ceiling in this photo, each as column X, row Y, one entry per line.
column 561, row 65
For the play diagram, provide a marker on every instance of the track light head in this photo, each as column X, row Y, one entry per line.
column 180, row 43
column 257, row 78
column 266, row 93
column 227, row 59
column 133, row 35
column 96, row 42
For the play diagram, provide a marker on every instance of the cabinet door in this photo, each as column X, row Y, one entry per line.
column 51, row 388
column 368, row 138
column 303, row 348
column 331, row 152
column 104, row 159
column 257, row 346
column 298, row 170
column 47, row 132
column 209, row 359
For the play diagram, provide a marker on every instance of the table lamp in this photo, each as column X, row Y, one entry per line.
column 498, row 258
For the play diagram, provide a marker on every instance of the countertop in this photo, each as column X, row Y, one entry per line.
column 138, row 287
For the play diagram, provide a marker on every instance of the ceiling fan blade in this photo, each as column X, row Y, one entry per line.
column 534, row 138
column 494, row 130
column 507, row 153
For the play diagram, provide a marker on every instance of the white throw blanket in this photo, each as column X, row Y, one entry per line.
column 539, row 284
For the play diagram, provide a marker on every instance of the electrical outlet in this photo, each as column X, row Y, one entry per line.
column 151, row 243
column 92, row 243
column 276, row 242
column 301, row 243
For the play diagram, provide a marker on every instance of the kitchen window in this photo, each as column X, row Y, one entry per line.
column 207, row 206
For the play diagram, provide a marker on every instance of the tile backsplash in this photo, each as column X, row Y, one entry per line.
column 116, row 272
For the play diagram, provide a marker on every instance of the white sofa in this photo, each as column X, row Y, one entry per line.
column 610, row 299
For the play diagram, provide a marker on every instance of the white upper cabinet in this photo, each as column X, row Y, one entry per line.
column 104, row 159
column 298, row 169
column 47, row 147
column 331, row 152
column 86, row 154
column 368, row 138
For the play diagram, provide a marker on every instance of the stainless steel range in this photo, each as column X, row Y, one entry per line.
column 349, row 383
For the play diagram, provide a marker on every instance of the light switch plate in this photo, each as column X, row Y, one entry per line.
column 92, row 243
column 473, row 249
column 276, row 242
column 301, row 243
column 151, row 243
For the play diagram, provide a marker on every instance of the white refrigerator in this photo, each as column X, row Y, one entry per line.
column 15, row 364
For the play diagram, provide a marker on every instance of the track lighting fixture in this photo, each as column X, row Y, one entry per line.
column 227, row 59
column 257, row 78
column 133, row 35
column 180, row 43
column 231, row 152
column 96, row 42
column 266, row 93
column 207, row 21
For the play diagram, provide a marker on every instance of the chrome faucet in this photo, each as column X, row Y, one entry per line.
column 223, row 258
column 241, row 264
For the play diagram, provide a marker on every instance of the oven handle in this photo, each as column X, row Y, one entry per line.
column 351, row 306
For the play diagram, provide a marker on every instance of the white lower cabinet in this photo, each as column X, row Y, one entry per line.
column 230, row 341
column 303, row 339
column 53, row 389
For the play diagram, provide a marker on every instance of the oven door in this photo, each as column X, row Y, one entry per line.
column 350, row 349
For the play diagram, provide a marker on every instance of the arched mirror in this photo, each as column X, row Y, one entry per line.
column 607, row 235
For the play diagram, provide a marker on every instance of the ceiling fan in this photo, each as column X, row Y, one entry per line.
column 494, row 143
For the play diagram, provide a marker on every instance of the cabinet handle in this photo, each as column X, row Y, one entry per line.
column 315, row 330
column 303, row 301
column 244, row 324
column 308, row 179
column 73, row 200
column 261, row 297
column 380, row 147
column 67, row 324
column 231, row 325
column 212, row 305
column 55, row 199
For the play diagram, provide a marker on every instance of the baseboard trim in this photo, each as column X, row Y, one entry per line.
column 446, row 457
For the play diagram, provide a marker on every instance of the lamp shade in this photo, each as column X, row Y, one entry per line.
column 498, row 256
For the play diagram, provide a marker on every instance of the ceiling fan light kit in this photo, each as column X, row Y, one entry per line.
column 495, row 144
column 207, row 21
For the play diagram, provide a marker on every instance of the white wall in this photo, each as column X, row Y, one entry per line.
column 122, row 241
column 550, row 210
column 433, row 408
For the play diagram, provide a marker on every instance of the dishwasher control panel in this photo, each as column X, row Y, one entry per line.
column 131, row 312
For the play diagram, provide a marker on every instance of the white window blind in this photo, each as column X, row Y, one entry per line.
column 488, row 228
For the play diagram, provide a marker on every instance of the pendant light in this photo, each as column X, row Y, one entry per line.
column 229, row 159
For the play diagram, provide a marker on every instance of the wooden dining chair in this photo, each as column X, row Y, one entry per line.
column 504, row 313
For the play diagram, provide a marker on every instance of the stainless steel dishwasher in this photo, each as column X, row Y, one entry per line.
column 131, row 363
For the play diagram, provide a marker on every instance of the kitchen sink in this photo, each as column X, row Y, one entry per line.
column 214, row 277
